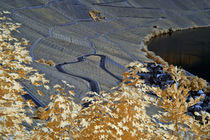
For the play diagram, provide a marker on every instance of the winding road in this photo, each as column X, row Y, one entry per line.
column 93, row 84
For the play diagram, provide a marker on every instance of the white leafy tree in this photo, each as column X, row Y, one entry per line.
column 13, row 60
column 58, row 117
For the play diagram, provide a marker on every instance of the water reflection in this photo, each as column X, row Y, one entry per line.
column 189, row 49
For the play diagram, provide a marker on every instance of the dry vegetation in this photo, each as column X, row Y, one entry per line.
column 13, row 69
column 118, row 115
column 96, row 15
column 49, row 62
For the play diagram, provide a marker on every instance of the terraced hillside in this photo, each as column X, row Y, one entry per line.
column 91, row 55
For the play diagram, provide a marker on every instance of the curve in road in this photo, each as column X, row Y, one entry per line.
column 94, row 86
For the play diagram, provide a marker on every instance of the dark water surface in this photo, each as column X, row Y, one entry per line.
column 189, row 49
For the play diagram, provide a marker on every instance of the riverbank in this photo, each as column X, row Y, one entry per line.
column 188, row 49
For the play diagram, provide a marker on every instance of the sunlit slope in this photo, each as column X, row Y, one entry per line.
column 63, row 31
column 124, row 113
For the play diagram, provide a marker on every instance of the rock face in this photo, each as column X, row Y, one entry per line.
column 156, row 77
column 64, row 32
